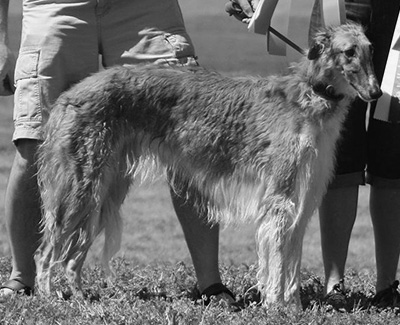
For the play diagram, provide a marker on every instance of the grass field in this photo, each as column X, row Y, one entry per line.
column 151, row 233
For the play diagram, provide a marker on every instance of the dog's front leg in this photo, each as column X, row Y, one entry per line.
column 272, row 241
column 294, row 248
column 73, row 271
column 292, row 256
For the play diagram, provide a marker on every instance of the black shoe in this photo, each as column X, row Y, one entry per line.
column 217, row 290
column 16, row 287
column 336, row 298
column 387, row 298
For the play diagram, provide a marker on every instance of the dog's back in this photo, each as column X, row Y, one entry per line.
column 204, row 115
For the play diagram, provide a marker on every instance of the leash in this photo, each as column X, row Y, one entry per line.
column 232, row 8
column 286, row 40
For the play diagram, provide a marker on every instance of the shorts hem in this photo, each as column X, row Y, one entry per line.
column 26, row 133
column 347, row 180
column 381, row 182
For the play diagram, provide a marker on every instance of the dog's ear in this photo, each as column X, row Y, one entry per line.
column 318, row 45
column 315, row 50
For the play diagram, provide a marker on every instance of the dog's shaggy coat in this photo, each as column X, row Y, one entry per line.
column 255, row 150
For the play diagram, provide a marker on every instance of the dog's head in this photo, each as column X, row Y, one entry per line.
column 342, row 64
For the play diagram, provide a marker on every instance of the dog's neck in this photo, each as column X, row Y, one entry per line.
column 324, row 83
column 326, row 86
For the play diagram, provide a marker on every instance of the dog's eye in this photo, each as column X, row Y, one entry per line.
column 350, row 52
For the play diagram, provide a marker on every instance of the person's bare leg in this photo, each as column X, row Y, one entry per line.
column 22, row 211
column 385, row 214
column 337, row 215
column 202, row 240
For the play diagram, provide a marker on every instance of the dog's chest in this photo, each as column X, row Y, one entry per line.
column 319, row 143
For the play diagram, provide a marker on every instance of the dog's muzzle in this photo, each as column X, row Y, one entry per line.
column 372, row 94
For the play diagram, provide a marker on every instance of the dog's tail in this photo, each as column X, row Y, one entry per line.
column 83, row 182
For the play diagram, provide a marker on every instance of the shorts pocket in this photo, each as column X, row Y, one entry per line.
column 161, row 48
column 27, row 64
column 27, row 104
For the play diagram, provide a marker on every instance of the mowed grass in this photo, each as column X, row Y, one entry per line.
column 153, row 253
column 163, row 294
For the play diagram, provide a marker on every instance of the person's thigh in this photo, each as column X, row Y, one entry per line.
column 135, row 31
column 58, row 48
column 351, row 152
column 383, row 152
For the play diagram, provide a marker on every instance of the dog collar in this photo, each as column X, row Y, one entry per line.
column 327, row 92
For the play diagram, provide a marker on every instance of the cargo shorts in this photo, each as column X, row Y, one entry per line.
column 64, row 41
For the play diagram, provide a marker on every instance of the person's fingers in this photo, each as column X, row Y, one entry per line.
column 233, row 9
column 254, row 4
column 246, row 7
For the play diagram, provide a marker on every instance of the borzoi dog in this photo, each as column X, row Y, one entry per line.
column 255, row 150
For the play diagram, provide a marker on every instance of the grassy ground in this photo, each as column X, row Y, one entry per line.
column 154, row 253
column 164, row 293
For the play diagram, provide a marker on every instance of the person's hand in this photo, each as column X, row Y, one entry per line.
column 7, row 65
column 241, row 9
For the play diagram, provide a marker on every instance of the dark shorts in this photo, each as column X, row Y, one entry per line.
column 369, row 149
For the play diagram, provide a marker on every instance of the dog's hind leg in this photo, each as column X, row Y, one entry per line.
column 107, row 219
column 67, row 235
column 75, row 249
column 111, row 220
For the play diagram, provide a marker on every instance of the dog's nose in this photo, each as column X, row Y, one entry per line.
column 374, row 89
column 375, row 93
